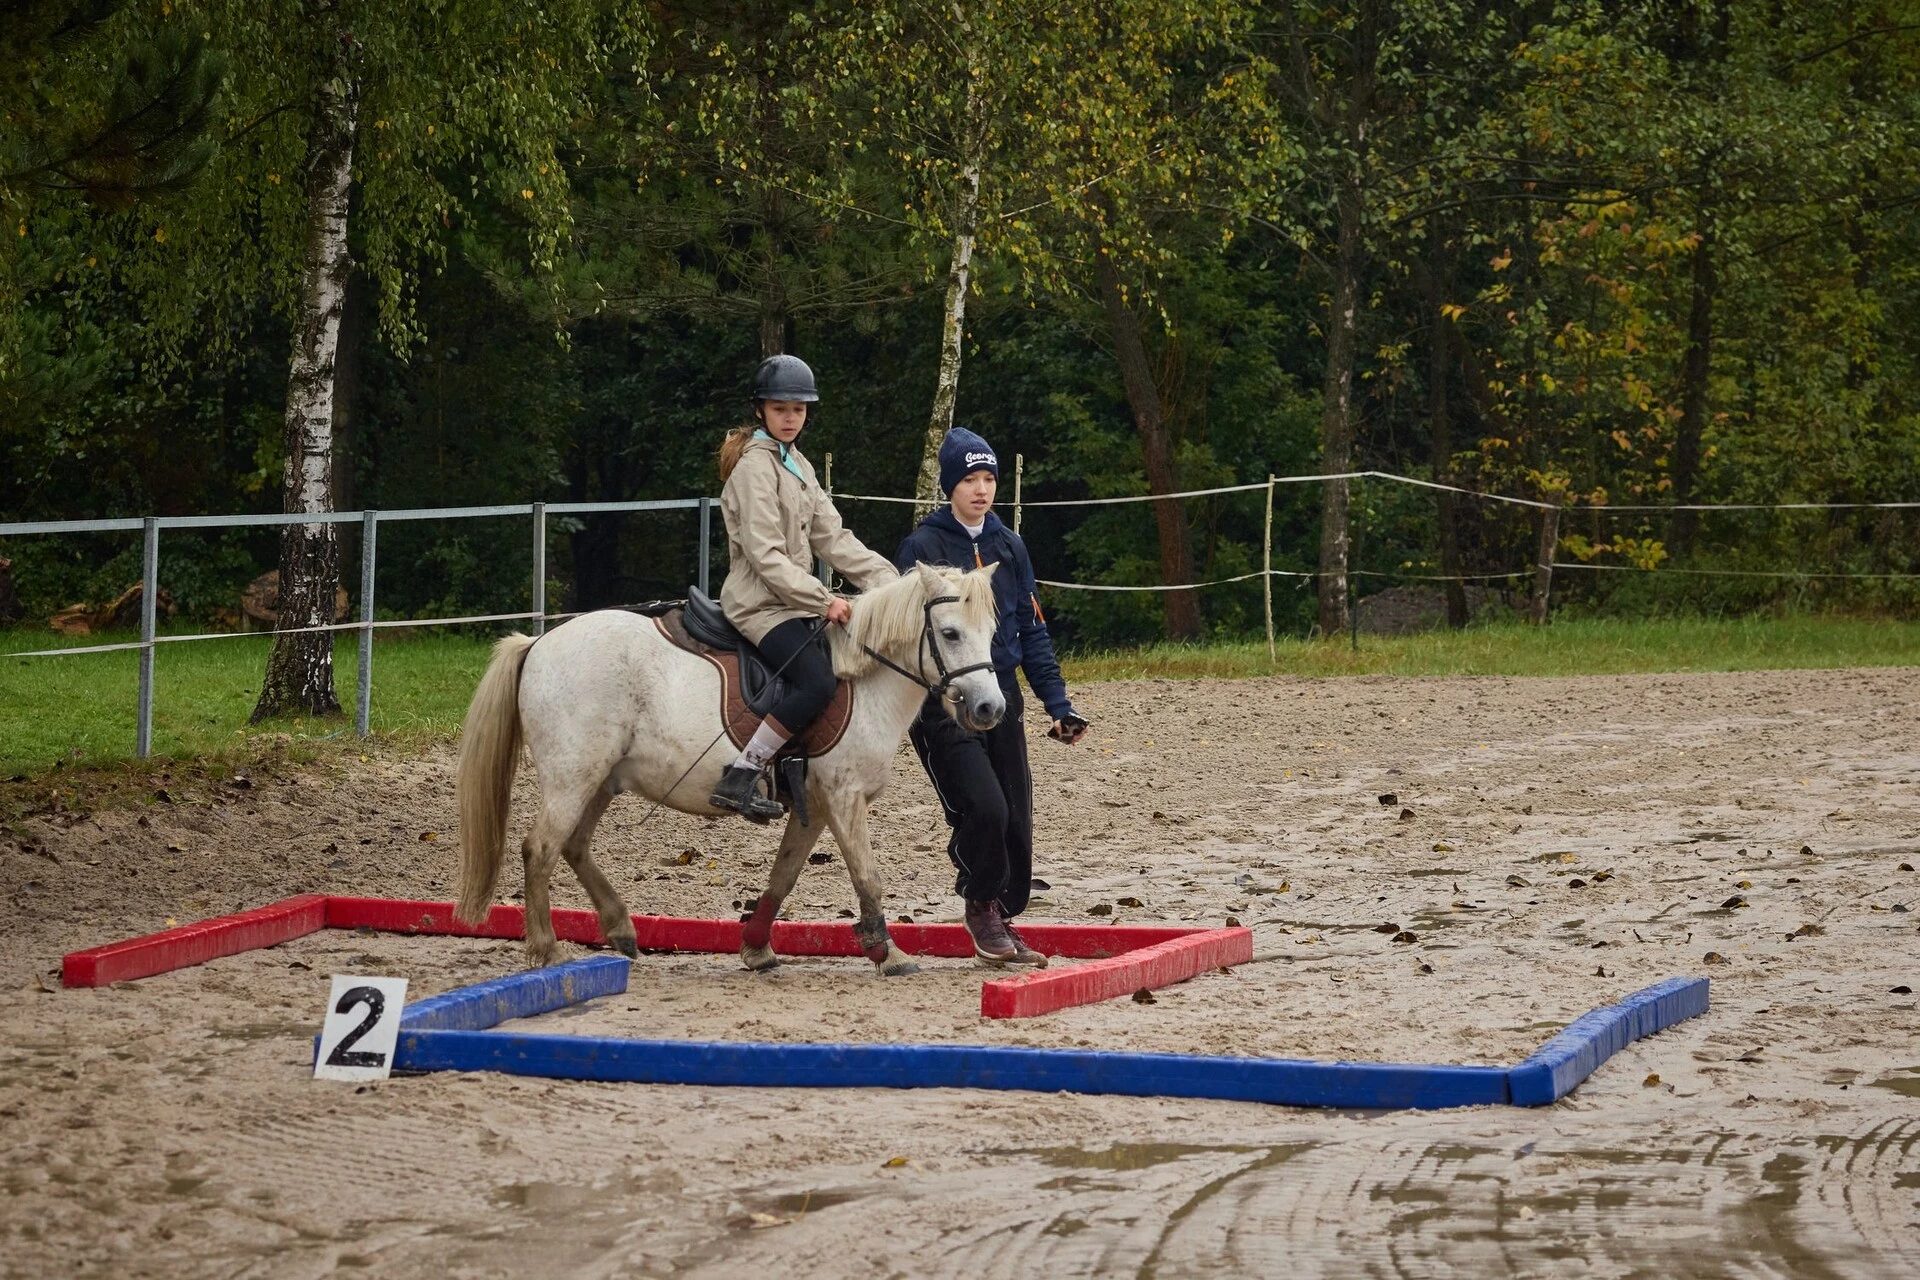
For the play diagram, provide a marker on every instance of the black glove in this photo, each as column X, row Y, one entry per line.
column 1074, row 725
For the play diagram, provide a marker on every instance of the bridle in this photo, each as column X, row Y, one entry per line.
column 943, row 688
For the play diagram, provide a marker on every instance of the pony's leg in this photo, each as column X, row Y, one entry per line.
column 756, row 935
column 849, row 822
column 559, row 816
column 616, row 925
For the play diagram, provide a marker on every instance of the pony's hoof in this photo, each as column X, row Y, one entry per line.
column 626, row 947
column 759, row 959
column 539, row 957
column 898, row 966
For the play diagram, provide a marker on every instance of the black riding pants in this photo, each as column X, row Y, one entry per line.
column 986, row 790
column 809, row 672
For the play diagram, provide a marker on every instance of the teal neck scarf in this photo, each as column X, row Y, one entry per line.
column 786, row 454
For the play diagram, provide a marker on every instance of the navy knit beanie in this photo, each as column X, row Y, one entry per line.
column 961, row 454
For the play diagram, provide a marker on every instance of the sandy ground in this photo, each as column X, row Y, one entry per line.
column 168, row 1127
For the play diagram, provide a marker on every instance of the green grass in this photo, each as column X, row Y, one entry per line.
column 79, row 711
column 1582, row 647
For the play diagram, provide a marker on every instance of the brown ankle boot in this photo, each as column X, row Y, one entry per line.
column 994, row 941
column 991, row 945
column 1022, row 953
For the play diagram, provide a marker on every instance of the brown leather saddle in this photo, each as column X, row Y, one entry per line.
column 749, row 686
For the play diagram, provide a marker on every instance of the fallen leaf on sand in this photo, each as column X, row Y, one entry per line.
column 1519, row 882
column 1734, row 903
column 1389, row 799
column 898, row 1162
column 1144, row 996
column 1100, row 909
column 1652, row 1079
column 429, row 836
column 1127, row 902
column 760, row 1221
column 1714, row 957
column 1406, row 935
column 1386, row 928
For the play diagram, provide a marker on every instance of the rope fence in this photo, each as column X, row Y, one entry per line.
column 151, row 526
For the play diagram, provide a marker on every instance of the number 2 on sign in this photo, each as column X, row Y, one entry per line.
column 362, row 1028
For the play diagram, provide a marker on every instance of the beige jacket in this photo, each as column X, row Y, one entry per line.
column 776, row 525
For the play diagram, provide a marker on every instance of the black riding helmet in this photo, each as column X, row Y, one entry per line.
column 785, row 378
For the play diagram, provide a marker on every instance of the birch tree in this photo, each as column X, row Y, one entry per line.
column 364, row 129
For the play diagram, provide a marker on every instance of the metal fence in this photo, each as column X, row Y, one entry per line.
column 1541, row 570
column 150, row 527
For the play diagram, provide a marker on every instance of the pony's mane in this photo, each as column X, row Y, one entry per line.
column 891, row 616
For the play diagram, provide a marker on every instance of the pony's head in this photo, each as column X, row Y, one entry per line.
column 930, row 622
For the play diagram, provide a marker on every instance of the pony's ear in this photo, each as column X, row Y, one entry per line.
column 930, row 579
column 986, row 570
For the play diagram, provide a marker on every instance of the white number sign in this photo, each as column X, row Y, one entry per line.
column 362, row 1028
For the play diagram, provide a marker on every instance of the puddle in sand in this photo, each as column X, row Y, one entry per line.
column 1120, row 1156
column 264, row 1031
column 1909, row 1084
column 1435, row 871
column 802, row 1202
column 546, row 1198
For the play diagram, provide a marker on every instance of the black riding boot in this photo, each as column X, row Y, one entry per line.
column 739, row 790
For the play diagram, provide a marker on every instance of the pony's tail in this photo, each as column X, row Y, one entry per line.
column 483, row 786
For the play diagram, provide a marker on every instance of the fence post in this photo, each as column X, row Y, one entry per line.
column 149, row 591
column 1353, row 567
column 1543, row 563
column 821, row 569
column 363, row 694
column 1019, row 482
column 1266, row 568
column 706, row 544
column 539, row 568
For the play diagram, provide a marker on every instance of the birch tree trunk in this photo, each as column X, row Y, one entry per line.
column 299, row 677
column 1181, row 608
column 966, row 223
column 773, row 299
column 1336, row 414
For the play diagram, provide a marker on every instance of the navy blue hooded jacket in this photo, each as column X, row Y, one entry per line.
column 1020, row 640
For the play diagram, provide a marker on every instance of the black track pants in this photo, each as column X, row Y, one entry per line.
column 809, row 672
column 986, row 789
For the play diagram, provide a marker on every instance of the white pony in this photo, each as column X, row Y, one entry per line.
column 608, row 704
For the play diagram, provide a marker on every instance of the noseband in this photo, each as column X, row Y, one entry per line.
column 943, row 688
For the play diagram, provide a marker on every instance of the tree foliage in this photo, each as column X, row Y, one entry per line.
column 1618, row 255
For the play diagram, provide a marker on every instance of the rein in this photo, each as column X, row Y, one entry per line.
column 944, row 688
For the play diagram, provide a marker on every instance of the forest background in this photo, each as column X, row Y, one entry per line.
column 1623, row 257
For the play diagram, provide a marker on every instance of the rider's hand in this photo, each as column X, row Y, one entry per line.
column 838, row 610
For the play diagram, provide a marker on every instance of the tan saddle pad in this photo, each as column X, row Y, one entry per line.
column 821, row 737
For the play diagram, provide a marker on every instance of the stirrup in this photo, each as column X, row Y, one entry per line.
column 742, row 795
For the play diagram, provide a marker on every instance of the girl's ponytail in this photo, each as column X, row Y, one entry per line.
column 732, row 447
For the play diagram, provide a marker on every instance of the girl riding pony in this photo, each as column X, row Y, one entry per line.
column 778, row 520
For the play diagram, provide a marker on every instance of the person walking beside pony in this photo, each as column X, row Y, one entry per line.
column 778, row 519
column 983, row 780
